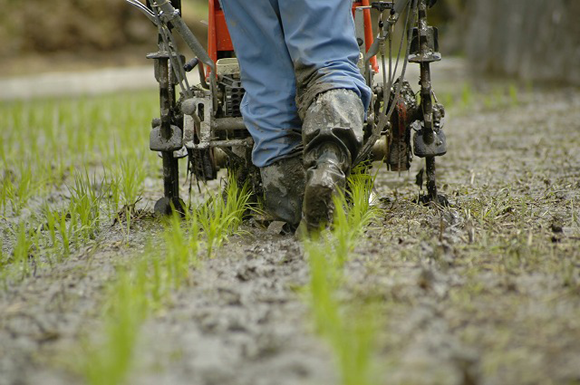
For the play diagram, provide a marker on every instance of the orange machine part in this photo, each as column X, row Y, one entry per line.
column 219, row 39
column 369, row 33
column 368, row 29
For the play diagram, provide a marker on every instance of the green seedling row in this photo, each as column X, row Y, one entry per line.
column 71, row 167
column 222, row 215
column 349, row 328
column 145, row 284
column 67, row 167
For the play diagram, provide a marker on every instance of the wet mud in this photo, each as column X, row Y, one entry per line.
column 485, row 291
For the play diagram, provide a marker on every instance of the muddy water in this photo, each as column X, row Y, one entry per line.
column 486, row 291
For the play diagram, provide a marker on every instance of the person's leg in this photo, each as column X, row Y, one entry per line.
column 320, row 37
column 331, row 97
column 269, row 107
column 333, row 130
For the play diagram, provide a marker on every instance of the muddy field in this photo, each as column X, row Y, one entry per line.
column 486, row 291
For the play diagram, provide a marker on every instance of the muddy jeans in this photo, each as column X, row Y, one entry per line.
column 290, row 51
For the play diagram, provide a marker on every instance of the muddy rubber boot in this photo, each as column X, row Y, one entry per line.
column 283, row 184
column 324, row 180
column 333, row 133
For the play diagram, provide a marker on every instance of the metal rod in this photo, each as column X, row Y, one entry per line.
column 248, row 142
column 431, row 180
column 228, row 124
column 164, row 97
column 143, row 9
column 170, row 176
column 172, row 15
column 426, row 101
column 170, row 165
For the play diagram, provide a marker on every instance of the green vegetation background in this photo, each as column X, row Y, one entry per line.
column 84, row 26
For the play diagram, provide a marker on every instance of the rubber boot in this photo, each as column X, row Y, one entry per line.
column 283, row 184
column 333, row 133
column 325, row 179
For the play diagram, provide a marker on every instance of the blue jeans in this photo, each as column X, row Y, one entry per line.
column 289, row 52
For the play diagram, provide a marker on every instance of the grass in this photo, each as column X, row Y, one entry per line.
column 19, row 191
column 23, row 255
column 141, row 287
column 222, row 215
column 108, row 363
column 349, row 328
column 181, row 246
column 500, row 230
column 65, row 173
column 69, row 168
column 144, row 285
column 353, row 213
column 131, row 180
column 495, row 95
column 85, row 205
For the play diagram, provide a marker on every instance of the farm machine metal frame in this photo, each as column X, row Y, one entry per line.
column 204, row 123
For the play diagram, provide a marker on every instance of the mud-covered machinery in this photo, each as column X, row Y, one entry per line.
column 204, row 122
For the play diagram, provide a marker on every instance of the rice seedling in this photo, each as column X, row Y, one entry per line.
column 85, row 204
column 22, row 254
column 324, row 277
column 466, row 96
column 42, row 145
column 353, row 213
column 181, row 247
column 4, row 195
column 222, row 215
column 112, row 180
column 63, row 136
column 131, row 187
column 3, row 257
column 50, row 218
column 132, row 177
column 3, row 264
column 349, row 330
column 19, row 193
column 108, row 363
column 140, row 288
column 513, row 93
column 143, row 285
column 159, row 284
column 65, row 232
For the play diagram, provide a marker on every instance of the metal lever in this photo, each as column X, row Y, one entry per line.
column 190, row 65
column 150, row 15
column 382, row 5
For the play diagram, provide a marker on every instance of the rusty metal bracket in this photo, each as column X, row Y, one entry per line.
column 425, row 45
column 158, row 141
column 425, row 145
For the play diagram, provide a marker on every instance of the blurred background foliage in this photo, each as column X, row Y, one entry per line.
column 530, row 39
column 42, row 26
column 46, row 27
